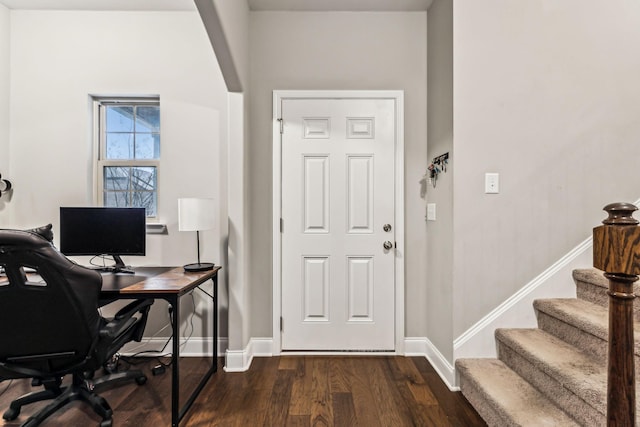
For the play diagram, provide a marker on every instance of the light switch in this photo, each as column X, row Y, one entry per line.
column 491, row 183
column 431, row 211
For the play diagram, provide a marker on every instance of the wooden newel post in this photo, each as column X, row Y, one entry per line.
column 616, row 251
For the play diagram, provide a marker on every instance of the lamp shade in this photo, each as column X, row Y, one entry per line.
column 195, row 214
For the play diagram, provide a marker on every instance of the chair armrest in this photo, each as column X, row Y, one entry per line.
column 116, row 328
column 124, row 320
column 132, row 308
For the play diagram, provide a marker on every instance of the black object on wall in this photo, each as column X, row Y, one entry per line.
column 5, row 186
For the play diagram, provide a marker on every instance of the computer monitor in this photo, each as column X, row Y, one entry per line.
column 103, row 231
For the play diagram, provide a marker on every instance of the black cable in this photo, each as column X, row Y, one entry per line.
column 102, row 257
column 130, row 359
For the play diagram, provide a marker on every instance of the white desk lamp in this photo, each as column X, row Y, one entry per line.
column 196, row 214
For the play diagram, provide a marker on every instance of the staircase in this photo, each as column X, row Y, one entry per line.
column 556, row 374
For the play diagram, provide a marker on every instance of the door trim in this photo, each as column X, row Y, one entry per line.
column 398, row 97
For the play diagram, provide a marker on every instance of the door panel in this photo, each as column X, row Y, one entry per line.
column 337, row 193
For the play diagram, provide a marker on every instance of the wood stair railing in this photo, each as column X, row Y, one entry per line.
column 616, row 251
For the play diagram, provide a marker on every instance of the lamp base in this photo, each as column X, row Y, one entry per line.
column 199, row 266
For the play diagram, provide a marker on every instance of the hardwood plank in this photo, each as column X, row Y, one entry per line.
column 343, row 410
column 278, row 407
column 420, row 403
column 298, row 421
column 339, row 375
column 458, row 410
column 408, row 408
column 366, row 410
column 321, row 409
column 291, row 363
column 301, row 391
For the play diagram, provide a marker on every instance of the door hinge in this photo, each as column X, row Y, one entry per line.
column 281, row 225
column 281, row 125
column 281, row 324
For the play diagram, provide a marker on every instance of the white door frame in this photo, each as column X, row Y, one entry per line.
column 398, row 97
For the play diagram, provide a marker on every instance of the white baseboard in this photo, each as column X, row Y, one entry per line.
column 419, row 346
column 240, row 360
column 192, row 347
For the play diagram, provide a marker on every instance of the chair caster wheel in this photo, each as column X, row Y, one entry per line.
column 106, row 423
column 141, row 380
column 11, row 414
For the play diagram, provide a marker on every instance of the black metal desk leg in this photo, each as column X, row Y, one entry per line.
column 178, row 413
column 175, row 374
column 215, row 322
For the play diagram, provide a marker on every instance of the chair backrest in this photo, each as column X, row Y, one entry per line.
column 49, row 317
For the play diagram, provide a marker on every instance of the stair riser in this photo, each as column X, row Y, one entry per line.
column 591, row 344
column 585, row 341
column 598, row 295
column 581, row 411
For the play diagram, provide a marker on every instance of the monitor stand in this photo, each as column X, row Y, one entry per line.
column 118, row 267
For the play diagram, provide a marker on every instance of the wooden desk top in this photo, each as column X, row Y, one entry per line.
column 174, row 281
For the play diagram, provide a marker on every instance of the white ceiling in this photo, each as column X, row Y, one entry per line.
column 258, row 5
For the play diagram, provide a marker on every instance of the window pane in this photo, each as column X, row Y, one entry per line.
column 145, row 199
column 143, row 178
column 130, row 132
column 116, row 199
column 148, row 118
column 147, row 146
column 119, row 146
column 116, row 178
column 119, row 119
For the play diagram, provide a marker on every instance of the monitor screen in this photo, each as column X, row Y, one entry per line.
column 102, row 231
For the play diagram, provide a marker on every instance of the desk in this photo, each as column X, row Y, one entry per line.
column 168, row 284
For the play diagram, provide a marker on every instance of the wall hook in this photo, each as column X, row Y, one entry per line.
column 5, row 186
column 438, row 165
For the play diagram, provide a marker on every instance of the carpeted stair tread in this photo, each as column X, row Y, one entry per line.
column 583, row 316
column 512, row 400
column 558, row 369
column 592, row 276
column 592, row 286
column 572, row 369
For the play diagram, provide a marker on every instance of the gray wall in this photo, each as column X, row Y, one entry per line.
column 546, row 94
column 439, row 281
column 227, row 21
column 337, row 50
column 60, row 58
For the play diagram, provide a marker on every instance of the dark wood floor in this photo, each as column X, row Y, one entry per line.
column 282, row 391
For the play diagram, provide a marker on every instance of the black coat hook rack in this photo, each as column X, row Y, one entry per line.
column 5, row 186
column 438, row 165
column 441, row 159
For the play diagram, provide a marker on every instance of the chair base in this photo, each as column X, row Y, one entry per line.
column 79, row 389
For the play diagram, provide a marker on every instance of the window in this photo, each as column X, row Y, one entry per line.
column 128, row 136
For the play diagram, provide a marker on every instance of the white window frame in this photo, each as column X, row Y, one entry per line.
column 99, row 138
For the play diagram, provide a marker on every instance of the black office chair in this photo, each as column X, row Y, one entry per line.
column 50, row 326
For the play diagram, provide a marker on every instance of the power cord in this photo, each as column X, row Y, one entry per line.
column 160, row 368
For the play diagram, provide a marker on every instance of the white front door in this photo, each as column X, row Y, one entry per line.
column 338, row 181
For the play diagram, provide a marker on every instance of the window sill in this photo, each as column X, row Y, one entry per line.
column 156, row 228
